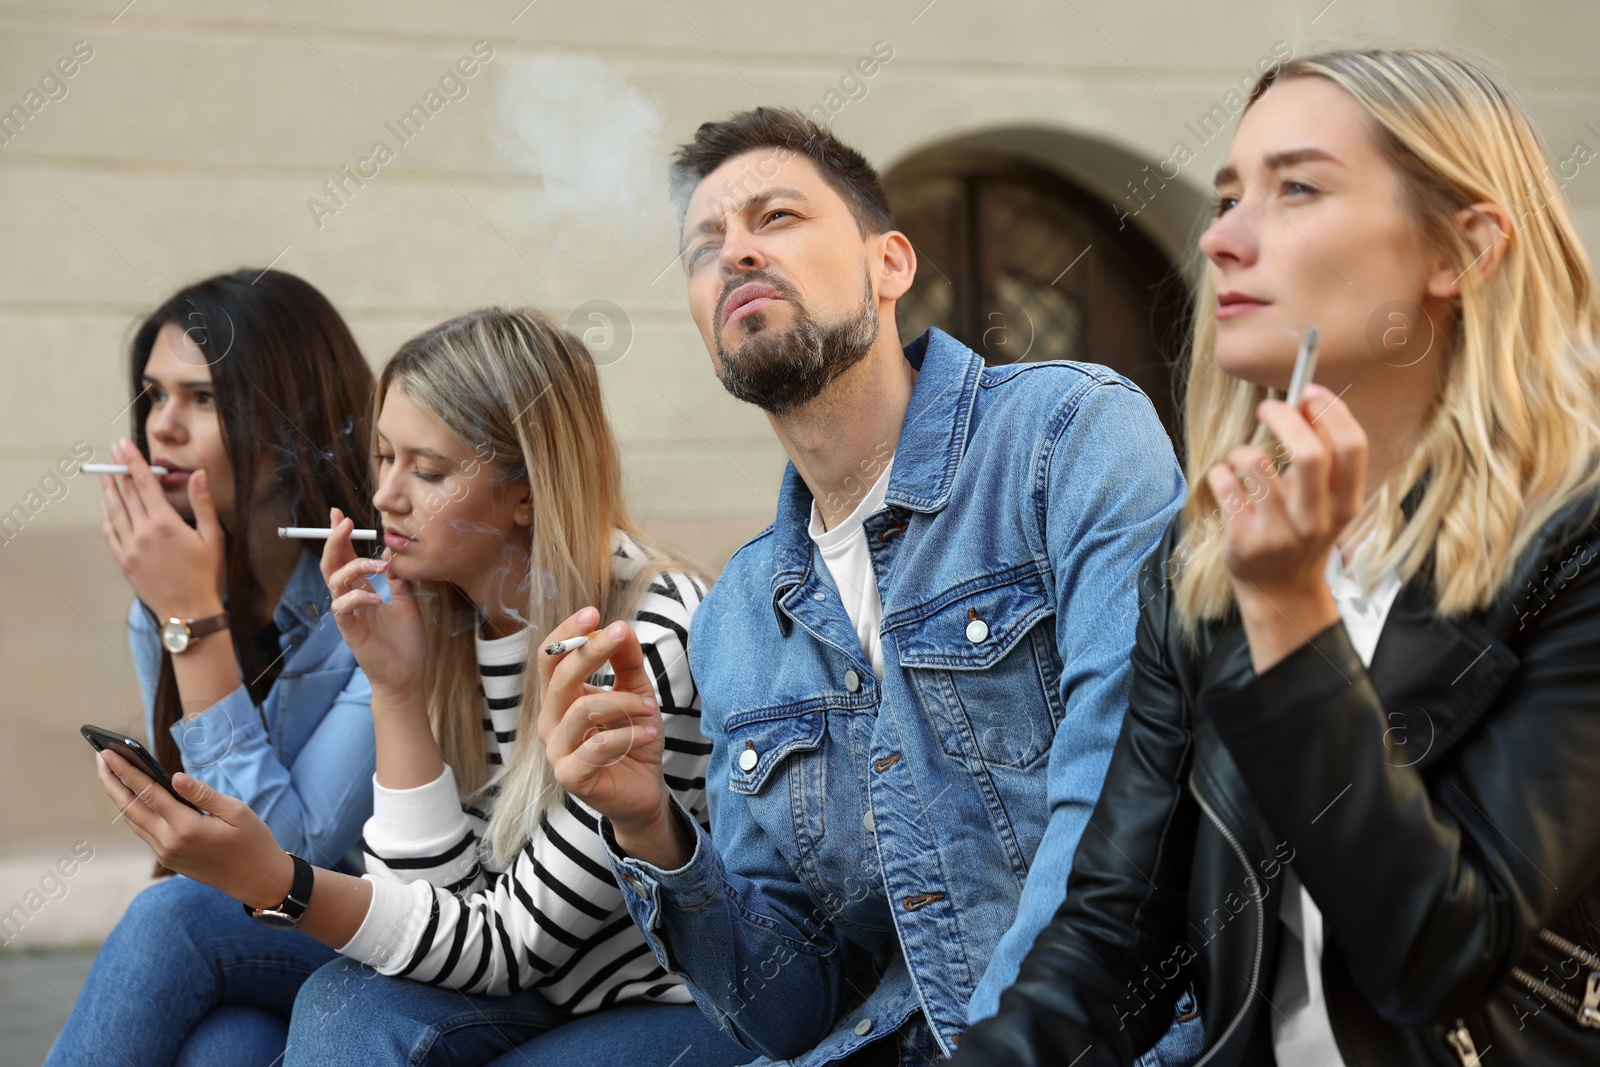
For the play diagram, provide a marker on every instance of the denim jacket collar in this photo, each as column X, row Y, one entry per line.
column 933, row 437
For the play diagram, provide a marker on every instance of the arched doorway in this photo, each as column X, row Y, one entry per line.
column 1021, row 263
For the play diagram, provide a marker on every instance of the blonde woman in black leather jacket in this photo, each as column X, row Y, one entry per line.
column 1354, row 797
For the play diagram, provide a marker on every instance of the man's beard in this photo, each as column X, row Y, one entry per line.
column 779, row 370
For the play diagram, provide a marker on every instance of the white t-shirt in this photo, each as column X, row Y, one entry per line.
column 844, row 552
column 1302, row 1036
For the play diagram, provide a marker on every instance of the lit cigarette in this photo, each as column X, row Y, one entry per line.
column 322, row 533
column 112, row 468
column 556, row 648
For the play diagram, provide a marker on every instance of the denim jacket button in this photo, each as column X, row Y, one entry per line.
column 852, row 681
column 977, row 630
column 313, row 608
column 748, row 760
column 864, row 1027
column 869, row 823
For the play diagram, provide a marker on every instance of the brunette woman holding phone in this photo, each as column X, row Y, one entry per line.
column 250, row 389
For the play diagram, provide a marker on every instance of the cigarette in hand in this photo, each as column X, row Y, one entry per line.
column 322, row 533
column 112, row 468
column 1305, row 367
column 556, row 648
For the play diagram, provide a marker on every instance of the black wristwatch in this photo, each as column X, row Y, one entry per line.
column 286, row 915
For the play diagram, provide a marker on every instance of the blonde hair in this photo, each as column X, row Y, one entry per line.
column 524, row 394
column 1514, row 433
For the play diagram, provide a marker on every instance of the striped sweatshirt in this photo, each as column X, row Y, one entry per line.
column 443, row 912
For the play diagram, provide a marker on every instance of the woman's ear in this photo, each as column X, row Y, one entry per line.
column 524, row 513
column 1487, row 229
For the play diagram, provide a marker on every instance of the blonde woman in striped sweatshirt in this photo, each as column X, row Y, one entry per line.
column 489, row 921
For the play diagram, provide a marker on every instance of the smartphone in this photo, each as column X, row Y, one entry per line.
column 100, row 739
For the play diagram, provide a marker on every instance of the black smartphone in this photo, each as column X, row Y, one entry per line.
column 100, row 739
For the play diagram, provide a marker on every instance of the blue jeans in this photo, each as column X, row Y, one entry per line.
column 348, row 1013
column 186, row 977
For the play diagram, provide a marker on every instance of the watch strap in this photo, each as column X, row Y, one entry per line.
column 294, row 903
column 208, row 625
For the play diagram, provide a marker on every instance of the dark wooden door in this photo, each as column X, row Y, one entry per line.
column 1021, row 264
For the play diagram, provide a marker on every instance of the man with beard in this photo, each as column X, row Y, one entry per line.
column 912, row 681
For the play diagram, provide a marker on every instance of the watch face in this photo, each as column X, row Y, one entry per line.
column 274, row 918
column 175, row 635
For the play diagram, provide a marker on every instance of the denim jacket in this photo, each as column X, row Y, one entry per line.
column 871, row 844
column 304, row 759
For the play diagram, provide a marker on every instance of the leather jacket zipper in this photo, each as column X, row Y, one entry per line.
column 1261, row 923
column 1460, row 1041
column 1577, row 952
column 1585, row 1012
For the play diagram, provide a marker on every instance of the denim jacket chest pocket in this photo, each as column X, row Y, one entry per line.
column 776, row 759
column 983, row 664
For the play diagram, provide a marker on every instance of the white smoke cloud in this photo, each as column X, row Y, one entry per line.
column 585, row 143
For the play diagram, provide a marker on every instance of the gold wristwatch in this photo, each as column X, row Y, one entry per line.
column 179, row 634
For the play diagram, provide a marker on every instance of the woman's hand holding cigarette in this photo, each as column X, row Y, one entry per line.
column 1276, row 545
column 387, row 639
column 176, row 569
column 605, row 745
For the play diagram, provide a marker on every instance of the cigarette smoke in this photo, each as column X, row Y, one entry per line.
column 586, row 144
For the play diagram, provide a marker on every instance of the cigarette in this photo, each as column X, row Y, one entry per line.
column 322, row 533
column 113, row 468
column 1305, row 368
column 556, row 648
column 1305, row 365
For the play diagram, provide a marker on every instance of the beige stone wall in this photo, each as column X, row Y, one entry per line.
column 193, row 139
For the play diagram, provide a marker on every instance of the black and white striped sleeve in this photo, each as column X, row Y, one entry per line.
column 422, row 833
column 553, row 921
column 662, row 623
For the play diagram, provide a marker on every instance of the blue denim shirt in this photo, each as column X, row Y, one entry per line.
column 304, row 759
column 872, row 846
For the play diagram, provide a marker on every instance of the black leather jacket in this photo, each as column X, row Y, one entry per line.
column 1442, row 808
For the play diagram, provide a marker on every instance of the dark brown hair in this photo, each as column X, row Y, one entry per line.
column 294, row 401
column 845, row 169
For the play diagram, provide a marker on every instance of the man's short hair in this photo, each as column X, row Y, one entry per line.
column 845, row 169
